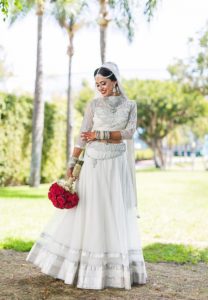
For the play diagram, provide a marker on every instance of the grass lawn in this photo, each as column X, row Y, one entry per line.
column 24, row 211
column 173, row 208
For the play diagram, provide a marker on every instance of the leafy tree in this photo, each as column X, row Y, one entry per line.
column 194, row 69
column 162, row 106
column 6, row 4
column 4, row 70
column 200, row 128
column 83, row 97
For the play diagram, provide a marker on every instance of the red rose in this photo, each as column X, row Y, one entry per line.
column 62, row 198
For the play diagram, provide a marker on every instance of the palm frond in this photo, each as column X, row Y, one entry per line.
column 150, row 7
column 124, row 15
column 17, row 13
column 126, row 12
column 69, row 13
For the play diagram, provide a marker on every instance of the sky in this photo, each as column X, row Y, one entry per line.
column 154, row 47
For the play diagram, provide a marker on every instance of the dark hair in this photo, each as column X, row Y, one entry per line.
column 105, row 73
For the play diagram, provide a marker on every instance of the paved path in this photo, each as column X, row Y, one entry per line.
column 20, row 280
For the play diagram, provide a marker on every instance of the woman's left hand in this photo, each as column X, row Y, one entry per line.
column 88, row 136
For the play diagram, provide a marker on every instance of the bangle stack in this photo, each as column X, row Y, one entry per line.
column 102, row 135
column 72, row 162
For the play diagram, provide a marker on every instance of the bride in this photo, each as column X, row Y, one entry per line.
column 97, row 244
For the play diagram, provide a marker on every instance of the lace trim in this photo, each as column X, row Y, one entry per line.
column 109, row 115
column 128, row 132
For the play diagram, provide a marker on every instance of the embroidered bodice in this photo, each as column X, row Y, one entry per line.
column 113, row 113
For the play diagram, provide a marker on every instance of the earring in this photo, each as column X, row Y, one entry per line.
column 114, row 89
column 117, row 90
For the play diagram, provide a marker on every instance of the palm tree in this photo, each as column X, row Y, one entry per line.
column 124, row 18
column 69, row 16
column 103, row 23
column 38, row 107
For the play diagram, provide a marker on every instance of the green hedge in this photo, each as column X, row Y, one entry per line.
column 15, row 140
column 144, row 154
column 54, row 142
column 15, row 118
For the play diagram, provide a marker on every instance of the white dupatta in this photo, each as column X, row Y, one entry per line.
column 129, row 143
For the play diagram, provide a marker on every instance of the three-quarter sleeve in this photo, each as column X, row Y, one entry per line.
column 87, row 124
column 128, row 132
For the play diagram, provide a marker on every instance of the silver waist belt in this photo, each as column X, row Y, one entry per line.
column 97, row 150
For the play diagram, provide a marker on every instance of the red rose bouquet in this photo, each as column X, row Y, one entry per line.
column 62, row 198
column 62, row 193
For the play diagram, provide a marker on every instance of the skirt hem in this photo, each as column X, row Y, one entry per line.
column 86, row 276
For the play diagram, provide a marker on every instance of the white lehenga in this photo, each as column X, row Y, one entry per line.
column 97, row 244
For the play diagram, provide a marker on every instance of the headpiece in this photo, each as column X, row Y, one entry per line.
column 102, row 75
column 114, row 69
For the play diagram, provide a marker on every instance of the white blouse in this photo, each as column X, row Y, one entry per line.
column 113, row 113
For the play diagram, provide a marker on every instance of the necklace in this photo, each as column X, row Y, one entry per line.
column 112, row 102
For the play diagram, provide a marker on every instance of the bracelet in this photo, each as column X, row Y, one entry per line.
column 102, row 135
column 72, row 161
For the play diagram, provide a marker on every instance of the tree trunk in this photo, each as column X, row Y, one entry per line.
column 38, row 114
column 70, row 119
column 103, row 31
column 103, row 23
column 161, row 154
column 159, row 158
column 157, row 164
column 154, row 147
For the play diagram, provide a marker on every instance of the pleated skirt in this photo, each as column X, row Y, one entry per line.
column 96, row 244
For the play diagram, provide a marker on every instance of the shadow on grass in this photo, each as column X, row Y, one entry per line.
column 157, row 252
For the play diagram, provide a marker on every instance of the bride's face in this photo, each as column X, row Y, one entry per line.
column 104, row 85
